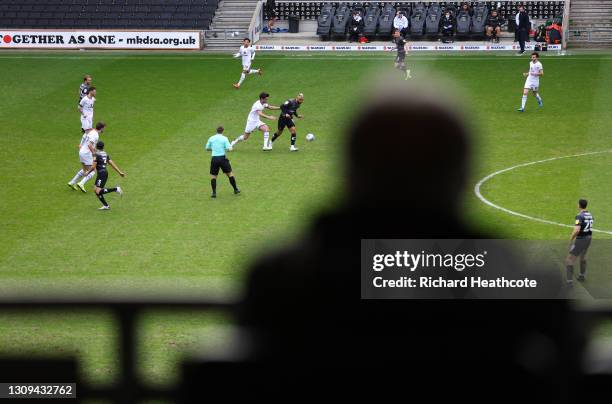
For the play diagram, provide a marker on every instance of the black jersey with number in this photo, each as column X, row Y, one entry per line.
column 289, row 107
column 83, row 90
column 584, row 219
column 401, row 46
column 101, row 160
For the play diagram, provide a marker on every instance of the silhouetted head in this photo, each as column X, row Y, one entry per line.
column 407, row 149
column 582, row 203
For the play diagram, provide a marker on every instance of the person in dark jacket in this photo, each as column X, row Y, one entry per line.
column 493, row 26
column 447, row 26
column 523, row 28
column 355, row 26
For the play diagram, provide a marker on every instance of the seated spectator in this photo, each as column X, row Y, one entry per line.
column 400, row 23
column 271, row 14
column 447, row 27
column 553, row 33
column 540, row 34
column 355, row 26
column 465, row 7
column 493, row 26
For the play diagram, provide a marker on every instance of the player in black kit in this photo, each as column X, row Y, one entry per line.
column 402, row 45
column 579, row 243
column 101, row 159
column 288, row 110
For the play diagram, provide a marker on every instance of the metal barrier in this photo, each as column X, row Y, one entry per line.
column 587, row 35
column 224, row 34
column 129, row 388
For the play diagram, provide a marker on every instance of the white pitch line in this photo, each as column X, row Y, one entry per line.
column 511, row 212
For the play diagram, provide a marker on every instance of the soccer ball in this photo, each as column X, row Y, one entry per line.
column 310, row 137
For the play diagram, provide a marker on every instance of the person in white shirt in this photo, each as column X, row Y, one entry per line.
column 247, row 53
column 87, row 150
column 254, row 121
column 400, row 23
column 86, row 108
column 532, row 81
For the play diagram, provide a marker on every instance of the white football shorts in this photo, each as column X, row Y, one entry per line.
column 252, row 125
column 86, row 158
column 86, row 122
column 532, row 84
column 246, row 67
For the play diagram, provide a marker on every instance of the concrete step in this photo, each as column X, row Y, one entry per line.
column 235, row 12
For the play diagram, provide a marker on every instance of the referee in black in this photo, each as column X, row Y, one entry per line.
column 579, row 242
column 218, row 144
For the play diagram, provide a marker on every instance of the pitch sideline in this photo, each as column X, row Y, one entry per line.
column 480, row 183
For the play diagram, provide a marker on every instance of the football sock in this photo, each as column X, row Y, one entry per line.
column 253, row 71
column 233, row 182
column 275, row 136
column 523, row 101
column 89, row 176
column 107, row 190
column 293, row 137
column 266, row 137
column 242, row 76
column 101, row 198
column 78, row 175
column 213, row 185
column 583, row 267
column 539, row 98
column 238, row 139
column 570, row 273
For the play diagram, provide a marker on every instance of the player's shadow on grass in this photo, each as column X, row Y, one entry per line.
column 307, row 335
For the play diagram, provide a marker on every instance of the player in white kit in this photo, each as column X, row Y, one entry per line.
column 533, row 81
column 86, row 108
column 247, row 53
column 254, row 121
column 87, row 150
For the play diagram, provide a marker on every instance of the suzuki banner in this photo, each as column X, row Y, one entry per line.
column 98, row 39
column 369, row 48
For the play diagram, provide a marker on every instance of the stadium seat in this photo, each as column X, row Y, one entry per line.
column 417, row 21
column 371, row 17
column 479, row 19
column 432, row 21
column 324, row 21
column 385, row 21
column 464, row 23
column 340, row 21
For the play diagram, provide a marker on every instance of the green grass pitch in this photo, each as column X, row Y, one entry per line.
column 166, row 234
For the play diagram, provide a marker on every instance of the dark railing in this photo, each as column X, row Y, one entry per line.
column 129, row 388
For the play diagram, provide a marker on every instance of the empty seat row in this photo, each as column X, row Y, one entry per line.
column 104, row 2
column 195, row 14
column 106, row 8
column 106, row 24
